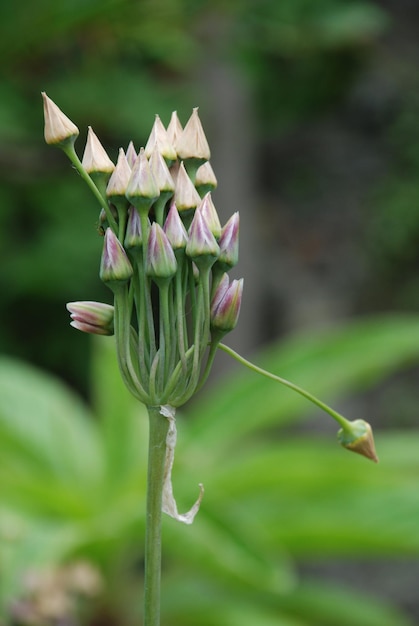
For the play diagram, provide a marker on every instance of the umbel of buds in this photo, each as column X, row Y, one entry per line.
column 162, row 242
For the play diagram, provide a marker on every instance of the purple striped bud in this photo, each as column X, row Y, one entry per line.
column 115, row 266
column 92, row 317
column 225, row 304
column 131, row 154
column 161, row 260
column 133, row 234
column 175, row 229
column 202, row 246
column 229, row 243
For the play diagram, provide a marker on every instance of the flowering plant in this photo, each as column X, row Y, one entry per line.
column 166, row 260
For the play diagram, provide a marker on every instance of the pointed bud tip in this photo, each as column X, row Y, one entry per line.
column 359, row 438
column 59, row 130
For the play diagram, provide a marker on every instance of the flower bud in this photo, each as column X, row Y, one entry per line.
column 210, row 214
column 174, row 130
column 142, row 189
column 133, row 234
column 225, row 304
column 358, row 438
column 202, row 246
column 229, row 243
column 186, row 196
column 92, row 317
column 119, row 180
column 161, row 260
column 95, row 160
column 131, row 154
column 205, row 179
column 158, row 138
column 175, row 230
column 161, row 172
column 115, row 266
column 59, row 130
column 192, row 144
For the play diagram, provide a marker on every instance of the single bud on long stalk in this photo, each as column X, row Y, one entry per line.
column 359, row 438
column 59, row 130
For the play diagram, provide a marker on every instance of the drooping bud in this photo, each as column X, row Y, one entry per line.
column 161, row 172
column 202, row 246
column 192, row 144
column 131, row 154
column 59, row 130
column 142, row 189
column 205, row 179
column 229, row 243
column 161, row 260
column 119, row 180
column 210, row 214
column 133, row 234
column 358, row 438
column 95, row 159
column 92, row 317
column 175, row 230
column 225, row 304
column 186, row 196
column 158, row 138
column 174, row 130
column 115, row 267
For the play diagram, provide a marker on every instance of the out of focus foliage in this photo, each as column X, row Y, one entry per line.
column 73, row 491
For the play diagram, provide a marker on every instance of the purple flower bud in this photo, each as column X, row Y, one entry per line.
column 142, row 189
column 131, row 154
column 95, row 160
column 92, row 317
column 225, row 304
column 202, row 246
column 59, row 130
column 161, row 260
column 133, row 234
column 115, row 266
column 174, row 229
column 229, row 243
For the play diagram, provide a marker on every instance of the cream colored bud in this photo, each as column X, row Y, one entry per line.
column 118, row 182
column 95, row 158
column 131, row 154
column 205, row 178
column 160, row 171
column 158, row 137
column 186, row 196
column 59, row 129
column 193, row 144
column 174, row 130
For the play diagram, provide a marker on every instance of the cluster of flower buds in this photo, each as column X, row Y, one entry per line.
column 165, row 255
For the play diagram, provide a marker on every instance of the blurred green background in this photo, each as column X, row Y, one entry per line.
column 310, row 108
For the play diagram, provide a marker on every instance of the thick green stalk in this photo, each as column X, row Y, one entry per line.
column 158, row 426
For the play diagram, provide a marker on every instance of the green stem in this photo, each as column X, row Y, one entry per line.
column 158, row 426
column 71, row 154
column 342, row 421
